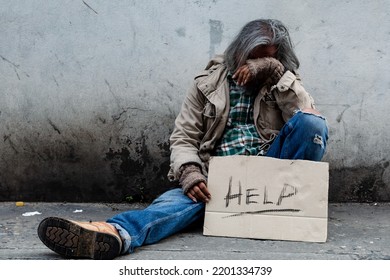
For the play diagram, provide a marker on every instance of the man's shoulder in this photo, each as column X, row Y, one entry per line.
column 217, row 61
column 214, row 68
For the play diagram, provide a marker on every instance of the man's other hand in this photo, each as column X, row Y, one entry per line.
column 243, row 75
column 199, row 192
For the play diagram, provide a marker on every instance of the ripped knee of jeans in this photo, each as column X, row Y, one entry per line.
column 318, row 140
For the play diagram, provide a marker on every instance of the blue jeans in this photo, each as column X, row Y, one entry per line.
column 304, row 136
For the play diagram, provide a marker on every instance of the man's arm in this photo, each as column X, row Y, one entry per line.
column 288, row 90
column 266, row 69
column 194, row 183
column 187, row 134
column 291, row 96
column 185, row 142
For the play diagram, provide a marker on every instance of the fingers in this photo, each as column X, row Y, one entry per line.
column 204, row 190
column 199, row 193
column 277, row 73
column 190, row 195
column 243, row 75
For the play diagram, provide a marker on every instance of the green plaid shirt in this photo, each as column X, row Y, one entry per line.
column 240, row 136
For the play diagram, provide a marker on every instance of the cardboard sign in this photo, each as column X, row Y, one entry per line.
column 267, row 198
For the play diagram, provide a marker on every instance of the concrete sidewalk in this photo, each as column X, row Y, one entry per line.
column 355, row 231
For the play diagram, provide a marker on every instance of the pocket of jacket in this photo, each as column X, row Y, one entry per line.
column 209, row 115
column 209, row 110
column 271, row 115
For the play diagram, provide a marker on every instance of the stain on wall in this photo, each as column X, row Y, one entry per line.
column 364, row 184
column 216, row 33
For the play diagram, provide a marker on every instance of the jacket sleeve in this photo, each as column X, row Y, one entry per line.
column 187, row 134
column 291, row 96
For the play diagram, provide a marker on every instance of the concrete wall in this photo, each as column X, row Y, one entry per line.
column 90, row 90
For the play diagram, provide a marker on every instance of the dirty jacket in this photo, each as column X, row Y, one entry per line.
column 205, row 111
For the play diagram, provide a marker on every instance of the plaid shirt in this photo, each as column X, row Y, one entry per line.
column 240, row 136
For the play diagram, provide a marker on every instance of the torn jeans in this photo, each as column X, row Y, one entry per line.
column 304, row 136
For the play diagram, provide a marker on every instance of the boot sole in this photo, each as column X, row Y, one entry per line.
column 73, row 241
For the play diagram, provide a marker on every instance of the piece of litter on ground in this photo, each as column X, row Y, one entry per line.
column 19, row 203
column 77, row 211
column 28, row 214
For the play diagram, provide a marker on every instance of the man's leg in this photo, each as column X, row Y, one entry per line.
column 168, row 214
column 304, row 136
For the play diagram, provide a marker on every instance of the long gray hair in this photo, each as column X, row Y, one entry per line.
column 261, row 32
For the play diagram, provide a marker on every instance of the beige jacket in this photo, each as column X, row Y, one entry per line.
column 204, row 113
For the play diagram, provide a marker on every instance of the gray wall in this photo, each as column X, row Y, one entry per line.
column 90, row 90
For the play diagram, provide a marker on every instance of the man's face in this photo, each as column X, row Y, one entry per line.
column 263, row 51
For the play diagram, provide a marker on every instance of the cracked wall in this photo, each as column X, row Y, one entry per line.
column 90, row 90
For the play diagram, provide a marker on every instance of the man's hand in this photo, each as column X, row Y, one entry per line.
column 193, row 183
column 243, row 75
column 199, row 192
column 266, row 69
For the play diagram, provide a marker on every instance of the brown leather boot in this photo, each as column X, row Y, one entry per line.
column 71, row 239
